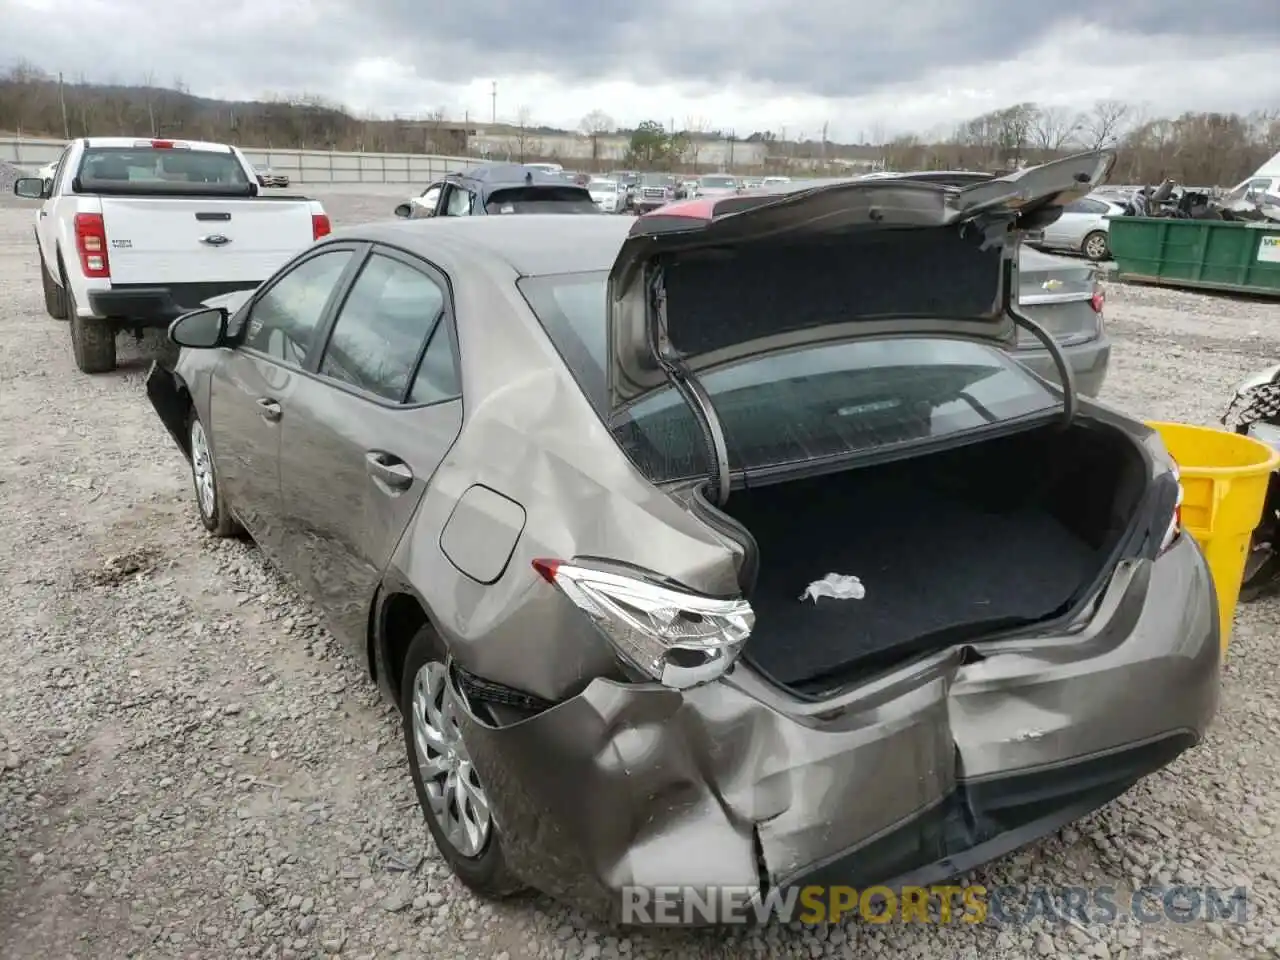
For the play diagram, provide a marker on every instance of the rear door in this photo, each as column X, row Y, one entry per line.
column 367, row 427
column 254, row 383
column 161, row 240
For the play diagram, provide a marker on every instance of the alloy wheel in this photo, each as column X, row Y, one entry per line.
column 458, row 801
column 202, row 470
column 1095, row 247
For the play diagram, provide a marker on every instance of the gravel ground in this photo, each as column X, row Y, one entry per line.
column 189, row 767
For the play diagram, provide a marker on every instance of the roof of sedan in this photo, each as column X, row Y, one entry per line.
column 533, row 244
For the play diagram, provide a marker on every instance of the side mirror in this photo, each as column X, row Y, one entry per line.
column 200, row 329
column 32, row 188
column 404, row 211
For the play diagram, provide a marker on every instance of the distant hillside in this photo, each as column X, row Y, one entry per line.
column 31, row 106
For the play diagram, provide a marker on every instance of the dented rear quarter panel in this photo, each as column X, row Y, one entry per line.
column 530, row 435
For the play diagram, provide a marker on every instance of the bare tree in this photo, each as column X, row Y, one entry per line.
column 695, row 138
column 1053, row 128
column 1103, row 125
column 149, row 89
column 520, row 140
column 595, row 125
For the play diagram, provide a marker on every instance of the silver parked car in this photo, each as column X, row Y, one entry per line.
column 1064, row 296
column 713, row 548
column 1084, row 227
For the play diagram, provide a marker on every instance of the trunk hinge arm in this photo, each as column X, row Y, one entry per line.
column 1066, row 376
column 692, row 392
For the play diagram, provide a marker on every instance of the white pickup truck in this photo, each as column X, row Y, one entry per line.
column 133, row 233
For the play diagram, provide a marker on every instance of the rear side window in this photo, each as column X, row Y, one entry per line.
column 806, row 404
column 171, row 170
column 540, row 199
column 382, row 328
column 283, row 322
column 1086, row 205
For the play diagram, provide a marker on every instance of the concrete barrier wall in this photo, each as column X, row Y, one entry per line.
column 301, row 166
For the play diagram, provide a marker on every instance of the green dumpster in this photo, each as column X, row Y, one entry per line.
column 1209, row 254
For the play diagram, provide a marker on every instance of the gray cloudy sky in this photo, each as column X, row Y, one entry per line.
column 860, row 66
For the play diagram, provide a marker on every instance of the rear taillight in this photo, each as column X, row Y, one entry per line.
column 678, row 638
column 1098, row 300
column 91, row 244
column 1175, row 522
column 320, row 226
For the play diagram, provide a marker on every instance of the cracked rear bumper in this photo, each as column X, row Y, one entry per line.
column 912, row 778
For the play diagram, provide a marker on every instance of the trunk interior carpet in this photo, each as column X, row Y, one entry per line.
column 930, row 561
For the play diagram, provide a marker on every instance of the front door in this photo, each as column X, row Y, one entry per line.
column 366, row 433
column 254, row 384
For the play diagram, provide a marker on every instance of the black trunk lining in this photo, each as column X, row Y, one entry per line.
column 943, row 545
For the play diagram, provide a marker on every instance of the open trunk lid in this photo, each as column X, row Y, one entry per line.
column 163, row 240
column 708, row 282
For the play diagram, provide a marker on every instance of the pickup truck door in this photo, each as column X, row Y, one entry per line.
column 253, row 385
column 364, row 436
column 48, row 218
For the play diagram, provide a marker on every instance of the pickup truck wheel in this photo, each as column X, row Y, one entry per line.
column 214, row 514
column 55, row 301
column 93, row 341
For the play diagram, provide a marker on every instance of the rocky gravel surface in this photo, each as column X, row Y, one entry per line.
column 190, row 768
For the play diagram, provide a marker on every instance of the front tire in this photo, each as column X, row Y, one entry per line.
column 214, row 513
column 452, row 799
column 1097, row 246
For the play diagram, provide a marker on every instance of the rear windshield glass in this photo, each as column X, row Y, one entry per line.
column 804, row 405
column 540, row 200
column 718, row 182
column 163, row 170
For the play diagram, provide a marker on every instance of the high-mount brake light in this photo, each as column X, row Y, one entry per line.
column 675, row 637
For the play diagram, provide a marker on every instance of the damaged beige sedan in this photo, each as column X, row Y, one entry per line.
column 714, row 549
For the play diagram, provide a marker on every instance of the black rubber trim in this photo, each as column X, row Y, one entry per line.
column 478, row 690
column 157, row 306
column 983, row 820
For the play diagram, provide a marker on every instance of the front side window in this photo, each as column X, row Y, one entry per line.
column 283, row 322
column 382, row 327
column 805, row 404
column 459, row 202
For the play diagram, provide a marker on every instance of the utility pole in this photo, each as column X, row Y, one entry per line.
column 824, row 141
column 62, row 99
column 493, row 96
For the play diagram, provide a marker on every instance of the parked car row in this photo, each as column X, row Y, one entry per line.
column 560, row 482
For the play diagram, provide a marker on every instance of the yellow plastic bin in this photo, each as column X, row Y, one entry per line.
column 1224, row 486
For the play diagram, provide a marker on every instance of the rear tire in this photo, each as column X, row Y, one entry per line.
column 93, row 341
column 484, row 870
column 1097, row 246
column 55, row 300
